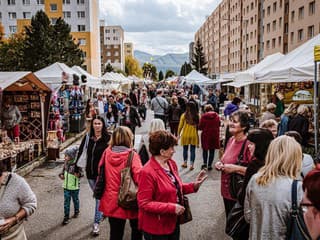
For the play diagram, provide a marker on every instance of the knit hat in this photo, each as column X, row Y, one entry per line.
column 71, row 152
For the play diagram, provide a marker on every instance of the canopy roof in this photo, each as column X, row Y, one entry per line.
column 296, row 66
column 91, row 80
column 21, row 81
column 198, row 78
column 52, row 75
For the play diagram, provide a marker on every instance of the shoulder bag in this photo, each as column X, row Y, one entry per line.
column 236, row 225
column 127, row 197
column 143, row 153
column 236, row 180
column 186, row 216
column 296, row 228
column 82, row 161
column 100, row 182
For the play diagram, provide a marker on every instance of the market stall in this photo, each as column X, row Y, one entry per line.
column 31, row 96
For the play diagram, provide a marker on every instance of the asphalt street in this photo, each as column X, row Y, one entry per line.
column 206, row 205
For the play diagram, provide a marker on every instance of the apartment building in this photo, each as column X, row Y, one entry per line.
column 112, row 46
column 191, row 54
column 81, row 15
column 243, row 32
column 128, row 49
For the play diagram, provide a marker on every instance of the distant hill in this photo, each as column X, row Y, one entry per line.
column 172, row 61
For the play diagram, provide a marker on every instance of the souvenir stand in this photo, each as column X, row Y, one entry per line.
column 66, row 105
column 31, row 96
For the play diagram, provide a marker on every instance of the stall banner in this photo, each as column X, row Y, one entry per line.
column 317, row 53
column 301, row 92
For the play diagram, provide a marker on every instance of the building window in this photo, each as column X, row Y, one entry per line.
column 26, row 15
column 107, row 30
column 114, row 30
column 312, row 7
column 84, row 54
column 252, row 6
column 268, row 27
column 286, row 28
column 108, row 47
column 279, row 41
column 108, row 38
column 116, row 46
column 80, row 1
column 67, row 14
column 81, row 28
column 274, row 25
column 116, row 53
column 12, row 29
column 310, row 31
column 268, row 44
column 300, row 34
column 301, row 12
column 280, row 3
column 82, row 41
column 115, row 38
column 268, row 11
column 292, row 16
column 66, row 1
column 11, row 2
column 12, row 15
column 108, row 54
column 53, row 7
column 291, row 37
column 0, row 15
column 40, row 2
column 273, row 43
column 280, row 22
column 26, row 2
column 54, row 21
column 81, row 14
column 274, row 6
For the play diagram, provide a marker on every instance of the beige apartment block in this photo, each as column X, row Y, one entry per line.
column 240, row 33
column 304, row 21
column 128, row 49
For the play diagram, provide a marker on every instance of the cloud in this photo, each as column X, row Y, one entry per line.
column 169, row 23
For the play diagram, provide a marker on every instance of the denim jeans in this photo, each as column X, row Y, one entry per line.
column 192, row 153
column 97, row 213
column 205, row 157
column 68, row 194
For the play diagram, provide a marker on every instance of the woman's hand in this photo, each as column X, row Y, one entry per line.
column 9, row 222
column 200, row 179
column 179, row 209
column 229, row 168
column 218, row 165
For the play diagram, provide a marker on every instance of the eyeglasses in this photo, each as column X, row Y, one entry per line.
column 304, row 206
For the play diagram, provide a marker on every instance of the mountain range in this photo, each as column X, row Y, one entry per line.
column 170, row 61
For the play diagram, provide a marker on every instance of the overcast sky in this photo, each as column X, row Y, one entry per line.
column 158, row 26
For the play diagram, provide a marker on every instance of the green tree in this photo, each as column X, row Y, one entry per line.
column 108, row 68
column 198, row 61
column 169, row 73
column 149, row 71
column 11, row 53
column 46, row 44
column 161, row 76
column 132, row 67
column 185, row 69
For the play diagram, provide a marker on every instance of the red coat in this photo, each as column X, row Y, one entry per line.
column 114, row 163
column 157, row 198
column 210, row 126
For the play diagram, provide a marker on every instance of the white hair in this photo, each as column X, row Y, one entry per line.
column 156, row 124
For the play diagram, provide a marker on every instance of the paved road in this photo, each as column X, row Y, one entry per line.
column 206, row 205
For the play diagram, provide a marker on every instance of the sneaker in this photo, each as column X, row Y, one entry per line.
column 76, row 214
column 191, row 168
column 184, row 165
column 65, row 221
column 210, row 168
column 95, row 229
column 204, row 166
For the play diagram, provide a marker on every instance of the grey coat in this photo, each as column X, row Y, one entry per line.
column 267, row 208
column 11, row 117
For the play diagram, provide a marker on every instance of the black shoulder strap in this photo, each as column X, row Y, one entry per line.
column 160, row 104
column 294, row 193
column 240, row 157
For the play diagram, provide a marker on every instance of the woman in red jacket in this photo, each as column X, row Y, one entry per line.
column 210, row 136
column 115, row 158
column 159, row 189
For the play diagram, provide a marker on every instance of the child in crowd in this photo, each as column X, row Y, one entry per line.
column 70, row 176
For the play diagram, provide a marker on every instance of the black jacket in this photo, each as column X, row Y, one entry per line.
column 300, row 124
column 94, row 152
column 134, row 117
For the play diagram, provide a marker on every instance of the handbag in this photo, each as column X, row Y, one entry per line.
column 100, row 182
column 144, row 155
column 236, row 180
column 186, row 216
column 82, row 161
column 127, row 197
column 236, row 225
column 296, row 228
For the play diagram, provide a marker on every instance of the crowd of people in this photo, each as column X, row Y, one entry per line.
column 265, row 154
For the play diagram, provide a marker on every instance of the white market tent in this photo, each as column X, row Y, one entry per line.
column 195, row 77
column 52, row 75
column 91, row 80
column 110, row 76
column 247, row 77
column 296, row 66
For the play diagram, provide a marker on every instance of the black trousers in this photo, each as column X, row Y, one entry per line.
column 173, row 236
column 117, row 229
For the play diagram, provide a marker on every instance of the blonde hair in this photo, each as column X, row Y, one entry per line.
column 284, row 158
column 122, row 136
column 156, row 124
column 292, row 109
column 303, row 110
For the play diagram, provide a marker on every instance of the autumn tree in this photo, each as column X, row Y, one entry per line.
column 149, row 71
column 132, row 67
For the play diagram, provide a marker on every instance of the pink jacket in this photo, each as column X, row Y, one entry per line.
column 157, row 198
column 114, row 163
